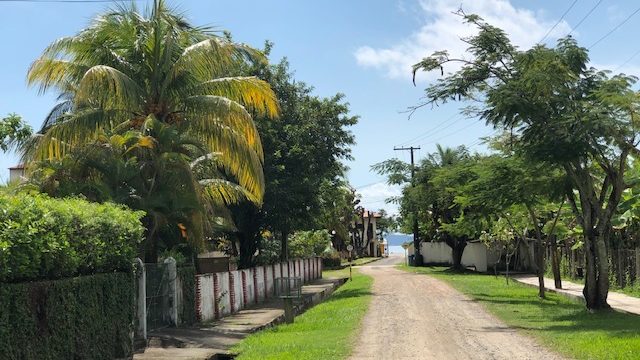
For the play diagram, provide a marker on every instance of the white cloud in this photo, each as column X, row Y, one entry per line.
column 373, row 196
column 442, row 30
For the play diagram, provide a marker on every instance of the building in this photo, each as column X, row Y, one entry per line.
column 365, row 235
column 16, row 173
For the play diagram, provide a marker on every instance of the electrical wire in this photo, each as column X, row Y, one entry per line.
column 614, row 29
column 627, row 61
column 584, row 18
column 428, row 131
column 559, row 20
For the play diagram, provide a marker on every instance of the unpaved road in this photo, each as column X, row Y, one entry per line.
column 414, row 316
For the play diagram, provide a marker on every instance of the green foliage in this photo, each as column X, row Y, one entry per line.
column 306, row 244
column 187, row 278
column 326, row 331
column 303, row 151
column 13, row 131
column 87, row 317
column 331, row 259
column 45, row 238
column 166, row 127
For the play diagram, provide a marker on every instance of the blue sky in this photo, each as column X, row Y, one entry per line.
column 362, row 48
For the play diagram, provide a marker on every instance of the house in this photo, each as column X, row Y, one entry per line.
column 16, row 173
column 365, row 235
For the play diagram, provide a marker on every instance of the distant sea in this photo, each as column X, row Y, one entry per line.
column 395, row 241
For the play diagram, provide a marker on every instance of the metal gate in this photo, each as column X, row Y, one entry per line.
column 160, row 295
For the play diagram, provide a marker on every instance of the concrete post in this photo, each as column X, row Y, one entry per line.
column 172, row 274
column 637, row 278
column 141, row 311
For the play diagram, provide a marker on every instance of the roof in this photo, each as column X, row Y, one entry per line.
column 17, row 167
column 373, row 213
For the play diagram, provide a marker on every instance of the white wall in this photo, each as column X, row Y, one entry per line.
column 475, row 254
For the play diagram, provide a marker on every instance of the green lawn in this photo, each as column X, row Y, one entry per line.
column 326, row 331
column 559, row 323
column 361, row 261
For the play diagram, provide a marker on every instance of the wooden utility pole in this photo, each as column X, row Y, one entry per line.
column 417, row 258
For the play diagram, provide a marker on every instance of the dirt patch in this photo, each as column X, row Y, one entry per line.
column 414, row 316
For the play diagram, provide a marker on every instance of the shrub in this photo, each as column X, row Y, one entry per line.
column 187, row 279
column 45, row 238
column 87, row 317
column 331, row 259
column 305, row 244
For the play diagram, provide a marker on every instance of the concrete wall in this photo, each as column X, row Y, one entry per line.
column 475, row 254
column 223, row 293
column 224, row 303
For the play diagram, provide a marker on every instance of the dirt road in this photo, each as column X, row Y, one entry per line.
column 415, row 316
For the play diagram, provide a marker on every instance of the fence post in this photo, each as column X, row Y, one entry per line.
column 141, row 311
column 172, row 273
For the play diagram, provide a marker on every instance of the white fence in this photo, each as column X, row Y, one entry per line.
column 220, row 294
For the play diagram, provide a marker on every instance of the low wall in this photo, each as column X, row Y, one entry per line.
column 475, row 254
column 220, row 294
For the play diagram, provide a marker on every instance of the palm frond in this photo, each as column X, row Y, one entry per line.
column 109, row 88
column 253, row 93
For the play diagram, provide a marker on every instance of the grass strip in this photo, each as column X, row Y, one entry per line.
column 361, row 261
column 326, row 331
column 559, row 323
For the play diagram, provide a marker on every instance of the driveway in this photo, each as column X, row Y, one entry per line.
column 414, row 316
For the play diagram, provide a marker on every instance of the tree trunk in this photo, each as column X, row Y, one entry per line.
column 555, row 263
column 539, row 252
column 248, row 247
column 284, row 245
column 596, row 285
column 457, row 250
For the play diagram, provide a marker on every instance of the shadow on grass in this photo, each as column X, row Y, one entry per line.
column 348, row 293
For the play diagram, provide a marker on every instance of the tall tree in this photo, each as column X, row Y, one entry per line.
column 13, row 132
column 155, row 74
column 578, row 118
column 303, row 150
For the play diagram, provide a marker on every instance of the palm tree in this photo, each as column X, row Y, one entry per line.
column 157, row 79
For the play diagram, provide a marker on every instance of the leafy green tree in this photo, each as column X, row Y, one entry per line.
column 506, row 181
column 159, row 77
column 580, row 119
column 13, row 131
column 303, row 150
column 306, row 244
column 438, row 179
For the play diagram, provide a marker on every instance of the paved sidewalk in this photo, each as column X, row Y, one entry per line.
column 207, row 340
column 618, row 301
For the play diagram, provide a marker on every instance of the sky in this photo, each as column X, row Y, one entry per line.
column 361, row 48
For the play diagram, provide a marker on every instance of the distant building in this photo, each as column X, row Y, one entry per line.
column 16, row 173
column 365, row 232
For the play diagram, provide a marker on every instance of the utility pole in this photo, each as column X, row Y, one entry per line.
column 417, row 258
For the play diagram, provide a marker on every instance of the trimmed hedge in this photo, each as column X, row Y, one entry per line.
column 87, row 317
column 187, row 277
column 46, row 238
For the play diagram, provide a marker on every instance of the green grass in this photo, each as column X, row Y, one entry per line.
column 561, row 324
column 326, row 331
column 361, row 261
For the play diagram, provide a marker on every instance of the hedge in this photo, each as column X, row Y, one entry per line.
column 46, row 238
column 187, row 276
column 87, row 317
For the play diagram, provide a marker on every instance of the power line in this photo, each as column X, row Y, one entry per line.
column 627, row 61
column 437, row 130
column 559, row 20
column 615, row 28
column 428, row 131
column 452, row 133
column 584, row 17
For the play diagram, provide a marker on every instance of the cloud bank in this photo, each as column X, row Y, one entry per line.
column 442, row 30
